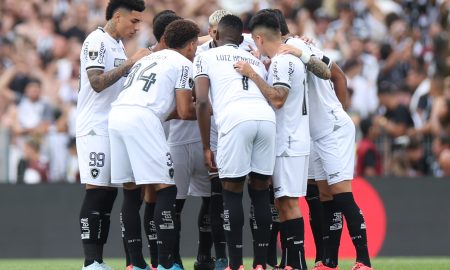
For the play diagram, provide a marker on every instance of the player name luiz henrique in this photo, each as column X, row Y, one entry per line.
column 237, row 58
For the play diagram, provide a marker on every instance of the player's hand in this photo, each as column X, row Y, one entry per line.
column 254, row 52
column 209, row 160
column 243, row 68
column 139, row 54
column 289, row 49
column 308, row 40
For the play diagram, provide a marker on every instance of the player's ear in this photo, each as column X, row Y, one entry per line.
column 217, row 34
column 241, row 39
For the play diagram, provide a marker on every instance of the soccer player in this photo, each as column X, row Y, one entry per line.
column 159, row 87
column 246, row 143
column 104, row 66
column 333, row 159
column 160, row 22
column 287, row 93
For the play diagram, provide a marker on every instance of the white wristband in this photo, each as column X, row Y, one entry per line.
column 305, row 57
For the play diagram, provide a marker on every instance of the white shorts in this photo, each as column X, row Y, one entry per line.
column 139, row 149
column 335, row 160
column 290, row 176
column 94, row 160
column 312, row 156
column 247, row 147
column 191, row 174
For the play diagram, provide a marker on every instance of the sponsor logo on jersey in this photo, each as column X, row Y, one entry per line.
column 184, row 76
column 93, row 55
column 95, row 172
column 101, row 53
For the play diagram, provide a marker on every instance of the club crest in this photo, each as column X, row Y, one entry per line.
column 95, row 172
column 93, row 55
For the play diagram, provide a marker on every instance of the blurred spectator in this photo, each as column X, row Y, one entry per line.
column 32, row 168
column 440, row 144
column 395, row 117
column 368, row 161
column 444, row 162
column 364, row 98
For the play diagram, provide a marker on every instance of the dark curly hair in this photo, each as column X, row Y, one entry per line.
column 113, row 5
column 180, row 32
column 160, row 24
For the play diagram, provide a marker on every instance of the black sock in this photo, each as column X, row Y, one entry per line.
column 106, row 215
column 165, row 222
column 124, row 241
column 179, row 205
column 272, row 259
column 283, row 248
column 331, row 233
column 91, row 213
column 263, row 222
column 132, row 223
column 204, row 230
column 233, row 216
column 150, row 232
column 216, row 213
column 355, row 224
column 294, row 231
column 315, row 218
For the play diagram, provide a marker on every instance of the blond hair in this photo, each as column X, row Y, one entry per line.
column 217, row 15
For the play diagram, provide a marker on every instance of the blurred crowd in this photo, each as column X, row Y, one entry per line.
column 395, row 55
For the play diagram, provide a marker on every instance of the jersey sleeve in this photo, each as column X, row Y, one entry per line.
column 201, row 67
column 184, row 77
column 95, row 53
column 299, row 44
column 282, row 70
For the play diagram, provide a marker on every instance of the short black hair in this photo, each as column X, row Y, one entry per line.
column 164, row 12
column 266, row 20
column 284, row 29
column 233, row 24
column 180, row 32
column 365, row 126
column 113, row 5
column 160, row 24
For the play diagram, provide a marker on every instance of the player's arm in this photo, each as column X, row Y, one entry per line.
column 185, row 107
column 276, row 95
column 312, row 62
column 340, row 84
column 101, row 80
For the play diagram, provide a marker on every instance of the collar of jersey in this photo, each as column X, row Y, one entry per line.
column 232, row 45
column 107, row 34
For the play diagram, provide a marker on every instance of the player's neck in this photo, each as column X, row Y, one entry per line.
column 110, row 28
column 272, row 49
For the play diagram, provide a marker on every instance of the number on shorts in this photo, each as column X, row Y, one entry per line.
column 245, row 82
column 97, row 159
column 169, row 160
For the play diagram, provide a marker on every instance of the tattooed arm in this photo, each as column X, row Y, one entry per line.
column 276, row 95
column 101, row 80
column 318, row 68
column 313, row 64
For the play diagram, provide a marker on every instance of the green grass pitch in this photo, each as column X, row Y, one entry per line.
column 382, row 263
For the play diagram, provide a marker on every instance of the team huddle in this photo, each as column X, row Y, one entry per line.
column 202, row 117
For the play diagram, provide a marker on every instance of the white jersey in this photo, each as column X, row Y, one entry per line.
column 292, row 137
column 322, row 97
column 153, row 80
column 234, row 97
column 103, row 52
